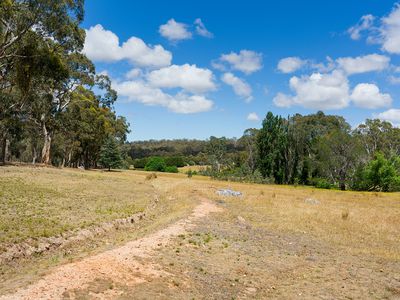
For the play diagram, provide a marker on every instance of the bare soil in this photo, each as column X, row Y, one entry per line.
column 119, row 266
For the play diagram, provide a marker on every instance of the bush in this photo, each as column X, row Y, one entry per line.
column 140, row 163
column 175, row 161
column 190, row 173
column 171, row 169
column 156, row 164
column 322, row 183
column 151, row 176
column 380, row 174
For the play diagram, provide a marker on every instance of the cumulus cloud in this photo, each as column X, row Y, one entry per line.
column 367, row 95
column 365, row 23
column 390, row 31
column 142, row 92
column 283, row 100
column 290, row 64
column 187, row 77
column 317, row 91
column 240, row 87
column 363, row 64
column 201, row 29
column 246, row 61
column 103, row 45
column 253, row 117
column 386, row 32
column 175, row 31
column 134, row 73
column 392, row 115
column 324, row 67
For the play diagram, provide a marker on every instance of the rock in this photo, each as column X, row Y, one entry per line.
column 312, row 201
column 228, row 192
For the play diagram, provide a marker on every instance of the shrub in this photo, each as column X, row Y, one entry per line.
column 175, row 161
column 151, row 176
column 322, row 183
column 171, row 169
column 190, row 173
column 140, row 163
column 380, row 174
column 155, row 164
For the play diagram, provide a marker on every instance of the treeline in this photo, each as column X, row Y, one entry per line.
column 324, row 151
column 177, row 152
column 54, row 108
column 317, row 149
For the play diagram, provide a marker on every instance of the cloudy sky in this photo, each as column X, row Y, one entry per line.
column 191, row 69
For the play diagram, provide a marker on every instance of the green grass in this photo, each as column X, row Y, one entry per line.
column 46, row 202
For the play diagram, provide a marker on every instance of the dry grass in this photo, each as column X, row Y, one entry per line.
column 274, row 242
column 43, row 202
column 192, row 168
column 361, row 221
column 120, row 193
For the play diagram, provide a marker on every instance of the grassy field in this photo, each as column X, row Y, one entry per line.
column 192, row 168
column 273, row 242
column 45, row 202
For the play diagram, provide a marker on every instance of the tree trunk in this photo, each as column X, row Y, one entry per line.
column 34, row 154
column 46, row 145
column 4, row 152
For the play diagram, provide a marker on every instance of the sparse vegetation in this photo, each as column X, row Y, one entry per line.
column 277, row 228
column 39, row 202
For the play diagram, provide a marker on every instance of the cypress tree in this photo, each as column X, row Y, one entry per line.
column 110, row 155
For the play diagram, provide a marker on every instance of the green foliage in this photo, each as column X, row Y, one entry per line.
column 176, row 161
column 380, row 174
column 110, row 156
column 140, row 163
column 322, row 183
column 272, row 144
column 171, row 169
column 156, row 164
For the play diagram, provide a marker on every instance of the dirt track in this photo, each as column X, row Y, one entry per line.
column 120, row 266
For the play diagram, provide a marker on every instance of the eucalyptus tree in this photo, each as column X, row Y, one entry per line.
column 34, row 34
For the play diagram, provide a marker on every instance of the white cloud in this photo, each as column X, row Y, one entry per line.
column 142, row 92
column 134, row 73
column 362, row 64
column 394, row 80
column 317, row 91
column 392, row 115
column 367, row 95
column 390, row 31
column 175, row 31
column 246, row 61
column 290, row 64
column 103, row 45
column 253, row 117
column 386, row 33
column 188, row 77
column 283, row 100
column 324, row 67
column 240, row 87
column 201, row 29
column 365, row 23
column 216, row 64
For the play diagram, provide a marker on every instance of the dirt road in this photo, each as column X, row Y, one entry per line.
column 123, row 265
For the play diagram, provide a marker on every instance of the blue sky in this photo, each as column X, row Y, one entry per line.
column 192, row 69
